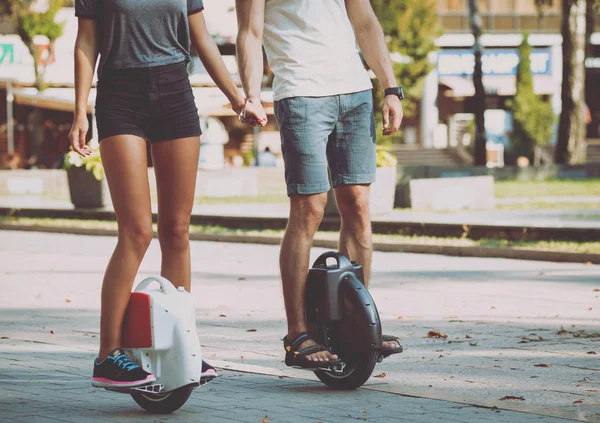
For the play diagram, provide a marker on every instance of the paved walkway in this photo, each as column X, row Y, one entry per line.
column 553, row 218
column 503, row 319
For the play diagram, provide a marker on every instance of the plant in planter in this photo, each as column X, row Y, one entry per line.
column 382, row 191
column 86, row 177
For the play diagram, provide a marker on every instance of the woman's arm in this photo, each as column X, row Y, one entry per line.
column 211, row 58
column 86, row 54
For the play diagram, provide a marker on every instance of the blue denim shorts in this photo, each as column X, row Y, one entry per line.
column 338, row 131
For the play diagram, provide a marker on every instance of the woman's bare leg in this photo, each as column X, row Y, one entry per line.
column 176, row 168
column 126, row 167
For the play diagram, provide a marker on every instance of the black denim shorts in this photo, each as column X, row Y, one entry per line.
column 155, row 103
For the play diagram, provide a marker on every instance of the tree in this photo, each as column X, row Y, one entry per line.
column 411, row 28
column 480, row 156
column 570, row 146
column 533, row 117
column 31, row 22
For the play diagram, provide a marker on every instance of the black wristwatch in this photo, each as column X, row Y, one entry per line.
column 394, row 91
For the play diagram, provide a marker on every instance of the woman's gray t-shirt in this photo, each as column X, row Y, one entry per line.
column 140, row 33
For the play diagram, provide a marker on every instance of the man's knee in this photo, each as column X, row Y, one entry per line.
column 308, row 208
column 353, row 201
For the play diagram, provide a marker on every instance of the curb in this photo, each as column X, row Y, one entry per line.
column 514, row 253
column 380, row 226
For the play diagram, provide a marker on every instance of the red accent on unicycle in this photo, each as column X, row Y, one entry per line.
column 137, row 324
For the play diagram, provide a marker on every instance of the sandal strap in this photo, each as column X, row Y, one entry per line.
column 390, row 338
column 311, row 350
column 291, row 346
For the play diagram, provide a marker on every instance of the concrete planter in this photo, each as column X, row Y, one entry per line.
column 382, row 194
column 86, row 191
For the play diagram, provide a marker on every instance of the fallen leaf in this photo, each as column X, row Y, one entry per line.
column 4, row 337
column 562, row 331
column 242, row 357
column 541, row 274
column 588, row 263
column 540, row 338
column 362, row 411
column 222, row 315
column 265, row 420
column 431, row 386
column 578, row 402
column 591, row 352
column 52, row 332
column 68, row 300
column 473, row 344
column 596, row 290
column 543, row 365
column 400, row 317
column 590, row 309
column 468, row 336
column 524, row 341
column 380, row 375
column 586, row 379
column 493, row 308
column 441, row 355
column 512, row 397
column 436, row 334
column 558, row 315
column 251, row 330
column 242, row 279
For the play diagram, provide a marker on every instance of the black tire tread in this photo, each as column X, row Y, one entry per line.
column 354, row 380
column 169, row 404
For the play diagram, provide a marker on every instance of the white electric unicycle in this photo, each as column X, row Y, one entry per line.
column 159, row 334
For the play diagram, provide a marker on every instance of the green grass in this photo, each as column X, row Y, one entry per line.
column 551, row 188
column 558, row 246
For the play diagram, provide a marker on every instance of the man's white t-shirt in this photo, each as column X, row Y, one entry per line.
column 311, row 49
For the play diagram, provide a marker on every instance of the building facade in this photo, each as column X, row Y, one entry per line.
column 447, row 108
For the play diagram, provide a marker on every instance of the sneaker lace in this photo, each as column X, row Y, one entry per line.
column 124, row 362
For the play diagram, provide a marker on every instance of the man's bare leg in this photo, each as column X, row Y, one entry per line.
column 306, row 213
column 356, row 237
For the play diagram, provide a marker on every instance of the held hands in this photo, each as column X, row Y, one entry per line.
column 251, row 112
column 392, row 114
column 77, row 135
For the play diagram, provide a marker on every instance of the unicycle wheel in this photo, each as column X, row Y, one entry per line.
column 163, row 403
column 357, row 371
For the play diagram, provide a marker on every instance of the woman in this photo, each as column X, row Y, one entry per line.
column 144, row 93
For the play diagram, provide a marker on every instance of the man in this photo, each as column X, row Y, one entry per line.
column 323, row 106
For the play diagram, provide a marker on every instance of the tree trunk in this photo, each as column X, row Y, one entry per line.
column 570, row 147
column 479, row 99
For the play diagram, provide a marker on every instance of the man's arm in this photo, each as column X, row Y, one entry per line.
column 251, row 22
column 371, row 41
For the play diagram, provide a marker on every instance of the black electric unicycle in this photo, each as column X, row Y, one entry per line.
column 343, row 317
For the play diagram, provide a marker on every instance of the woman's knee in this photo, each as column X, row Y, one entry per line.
column 174, row 233
column 137, row 235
